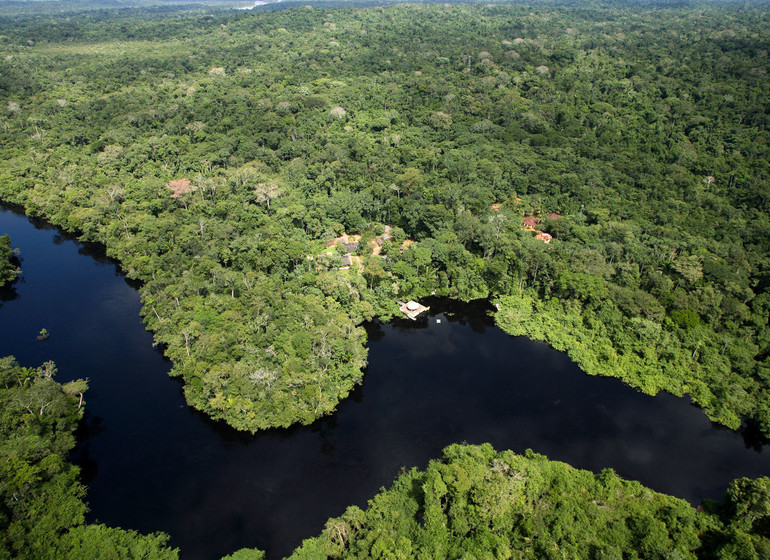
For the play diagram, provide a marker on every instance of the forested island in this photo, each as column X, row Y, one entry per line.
column 274, row 179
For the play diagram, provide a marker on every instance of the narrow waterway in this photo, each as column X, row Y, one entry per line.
column 153, row 464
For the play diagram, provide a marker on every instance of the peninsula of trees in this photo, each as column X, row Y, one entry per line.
column 217, row 156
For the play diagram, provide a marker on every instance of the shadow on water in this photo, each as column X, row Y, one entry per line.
column 90, row 427
column 753, row 438
column 8, row 292
column 154, row 464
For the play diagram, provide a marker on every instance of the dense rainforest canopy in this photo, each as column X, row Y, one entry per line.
column 473, row 503
column 276, row 178
column 477, row 503
column 217, row 156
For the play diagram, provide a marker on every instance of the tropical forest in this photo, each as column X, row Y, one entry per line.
column 273, row 179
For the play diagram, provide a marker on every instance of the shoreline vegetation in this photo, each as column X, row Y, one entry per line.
column 216, row 177
column 473, row 500
column 42, row 512
column 216, row 155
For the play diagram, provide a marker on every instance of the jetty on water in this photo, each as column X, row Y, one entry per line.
column 412, row 309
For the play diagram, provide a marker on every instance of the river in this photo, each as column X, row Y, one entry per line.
column 153, row 464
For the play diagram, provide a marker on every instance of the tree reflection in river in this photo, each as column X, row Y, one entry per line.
column 153, row 464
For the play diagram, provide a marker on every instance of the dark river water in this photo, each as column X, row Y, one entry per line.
column 153, row 464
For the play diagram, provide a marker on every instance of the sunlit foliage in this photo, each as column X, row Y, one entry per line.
column 477, row 503
column 637, row 135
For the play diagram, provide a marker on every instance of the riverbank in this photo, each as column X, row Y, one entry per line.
column 450, row 376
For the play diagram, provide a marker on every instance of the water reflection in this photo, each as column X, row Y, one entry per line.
column 8, row 292
column 152, row 463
